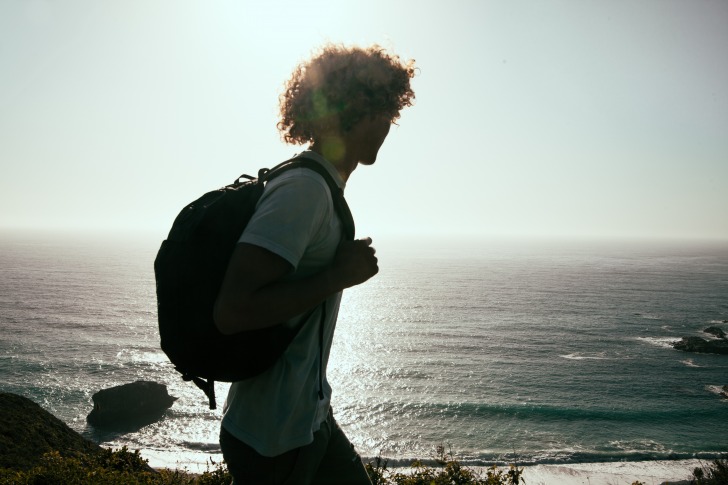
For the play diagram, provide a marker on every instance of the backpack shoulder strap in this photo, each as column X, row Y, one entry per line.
column 337, row 193
column 341, row 208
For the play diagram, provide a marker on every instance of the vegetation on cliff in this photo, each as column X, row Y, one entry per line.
column 107, row 467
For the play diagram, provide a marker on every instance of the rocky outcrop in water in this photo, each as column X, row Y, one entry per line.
column 702, row 346
column 129, row 407
column 717, row 345
column 718, row 332
column 28, row 431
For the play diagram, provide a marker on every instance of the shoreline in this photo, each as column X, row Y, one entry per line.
column 674, row 472
column 653, row 472
column 666, row 472
column 647, row 472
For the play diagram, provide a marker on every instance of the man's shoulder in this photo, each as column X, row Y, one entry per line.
column 298, row 180
column 314, row 162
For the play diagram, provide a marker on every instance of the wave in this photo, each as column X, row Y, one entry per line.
column 665, row 342
column 648, row 316
column 690, row 363
column 201, row 446
column 540, row 413
column 720, row 390
column 192, row 414
column 583, row 356
column 554, row 457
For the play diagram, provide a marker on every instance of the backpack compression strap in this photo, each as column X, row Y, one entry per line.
column 207, row 386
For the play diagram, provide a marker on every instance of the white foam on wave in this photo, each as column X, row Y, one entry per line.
column 583, row 356
column 665, row 342
column 640, row 446
column 150, row 357
column 191, row 460
column 690, row 363
column 720, row 390
column 648, row 316
column 145, row 356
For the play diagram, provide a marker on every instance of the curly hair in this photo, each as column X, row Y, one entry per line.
column 341, row 86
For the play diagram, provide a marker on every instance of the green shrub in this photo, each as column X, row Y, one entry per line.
column 120, row 467
column 448, row 472
column 218, row 476
column 714, row 474
column 92, row 469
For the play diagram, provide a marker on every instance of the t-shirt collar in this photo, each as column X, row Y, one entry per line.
column 326, row 164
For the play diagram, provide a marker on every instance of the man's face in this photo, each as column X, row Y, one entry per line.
column 367, row 137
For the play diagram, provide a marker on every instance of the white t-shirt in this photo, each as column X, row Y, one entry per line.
column 280, row 409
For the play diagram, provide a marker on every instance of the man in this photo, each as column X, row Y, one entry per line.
column 278, row 427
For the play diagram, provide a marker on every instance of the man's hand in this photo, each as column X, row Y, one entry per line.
column 355, row 262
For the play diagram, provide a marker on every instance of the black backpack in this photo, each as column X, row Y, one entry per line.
column 189, row 270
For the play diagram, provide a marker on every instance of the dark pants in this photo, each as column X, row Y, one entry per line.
column 330, row 459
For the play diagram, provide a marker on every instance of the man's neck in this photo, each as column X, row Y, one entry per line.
column 335, row 153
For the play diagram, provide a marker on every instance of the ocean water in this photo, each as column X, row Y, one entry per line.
column 501, row 351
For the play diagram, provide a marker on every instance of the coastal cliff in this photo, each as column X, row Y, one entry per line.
column 28, row 431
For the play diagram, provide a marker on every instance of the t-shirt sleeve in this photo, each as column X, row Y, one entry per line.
column 289, row 215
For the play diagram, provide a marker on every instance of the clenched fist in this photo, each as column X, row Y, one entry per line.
column 355, row 262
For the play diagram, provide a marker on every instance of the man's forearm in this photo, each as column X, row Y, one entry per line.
column 256, row 295
column 275, row 303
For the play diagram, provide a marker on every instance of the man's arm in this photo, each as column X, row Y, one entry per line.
column 254, row 296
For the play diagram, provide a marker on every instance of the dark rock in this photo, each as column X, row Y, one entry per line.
column 700, row 345
column 27, row 432
column 718, row 332
column 129, row 407
column 724, row 392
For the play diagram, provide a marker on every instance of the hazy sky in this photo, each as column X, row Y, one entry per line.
column 536, row 118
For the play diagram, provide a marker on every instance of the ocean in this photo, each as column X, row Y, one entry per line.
column 500, row 351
